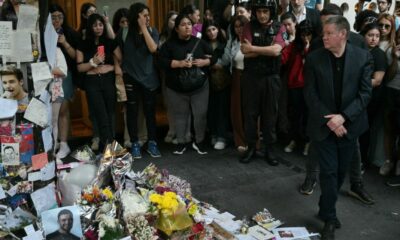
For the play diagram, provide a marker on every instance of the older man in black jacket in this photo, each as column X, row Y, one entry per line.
column 337, row 91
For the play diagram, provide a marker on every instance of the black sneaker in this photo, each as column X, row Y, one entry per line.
column 180, row 149
column 328, row 232
column 199, row 147
column 358, row 191
column 394, row 182
column 308, row 186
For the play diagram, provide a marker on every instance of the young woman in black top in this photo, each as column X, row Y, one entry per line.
column 99, row 56
column 174, row 57
column 218, row 107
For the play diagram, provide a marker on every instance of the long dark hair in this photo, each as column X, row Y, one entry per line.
column 133, row 16
column 243, row 20
column 84, row 21
column 212, row 23
column 90, row 36
column 166, row 32
column 57, row 8
column 188, row 10
column 120, row 13
column 305, row 27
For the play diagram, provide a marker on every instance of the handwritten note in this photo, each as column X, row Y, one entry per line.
column 41, row 76
column 44, row 198
column 39, row 161
column 5, row 38
column 37, row 113
column 27, row 17
column 21, row 47
column 48, row 171
column 13, row 190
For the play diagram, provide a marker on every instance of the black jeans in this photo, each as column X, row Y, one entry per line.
column 101, row 95
column 297, row 115
column 335, row 156
column 135, row 90
column 260, row 96
column 218, row 113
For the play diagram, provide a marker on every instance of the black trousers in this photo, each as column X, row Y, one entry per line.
column 135, row 90
column 218, row 113
column 101, row 95
column 335, row 156
column 260, row 96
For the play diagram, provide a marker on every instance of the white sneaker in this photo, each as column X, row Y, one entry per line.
column 95, row 143
column 289, row 148
column 242, row 149
column 386, row 168
column 64, row 150
column 219, row 145
column 306, row 148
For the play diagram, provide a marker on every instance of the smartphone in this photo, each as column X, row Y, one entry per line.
column 100, row 50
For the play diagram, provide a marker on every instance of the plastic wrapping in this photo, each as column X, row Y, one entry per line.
column 174, row 222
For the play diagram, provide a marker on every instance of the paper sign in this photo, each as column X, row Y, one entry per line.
column 37, row 113
column 8, row 108
column 47, row 133
column 34, row 176
column 29, row 229
column 5, row 38
column 2, row 193
column 27, row 17
column 34, row 236
column 40, row 71
column 44, row 198
column 48, row 171
column 39, row 161
column 13, row 190
column 21, row 47
column 41, row 76
column 50, row 42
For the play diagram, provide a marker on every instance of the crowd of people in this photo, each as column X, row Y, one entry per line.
column 271, row 70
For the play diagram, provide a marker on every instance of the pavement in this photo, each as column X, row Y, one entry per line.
column 245, row 189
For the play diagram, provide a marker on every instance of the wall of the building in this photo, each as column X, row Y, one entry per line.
column 114, row 5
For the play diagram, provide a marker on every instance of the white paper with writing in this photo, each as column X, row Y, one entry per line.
column 48, row 171
column 36, row 112
column 5, row 38
column 47, row 135
column 27, row 17
column 41, row 76
column 21, row 47
column 44, row 198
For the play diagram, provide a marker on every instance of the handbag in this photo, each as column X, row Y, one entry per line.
column 120, row 86
column 191, row 79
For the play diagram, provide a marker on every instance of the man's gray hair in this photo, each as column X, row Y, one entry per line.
column 340, row 22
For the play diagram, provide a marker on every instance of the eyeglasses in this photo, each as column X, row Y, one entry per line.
column 57, row 17
column 385, row 26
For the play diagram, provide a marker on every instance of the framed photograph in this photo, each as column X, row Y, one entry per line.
column 62, row 223
column 10, row 154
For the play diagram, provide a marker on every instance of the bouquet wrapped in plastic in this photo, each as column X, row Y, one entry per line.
column 172, row 213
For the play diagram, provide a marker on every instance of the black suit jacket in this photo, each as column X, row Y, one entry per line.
column 313, row 16
column 319, row 91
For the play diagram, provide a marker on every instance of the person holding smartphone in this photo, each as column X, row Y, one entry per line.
column 140, row 75
column 99, row 56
